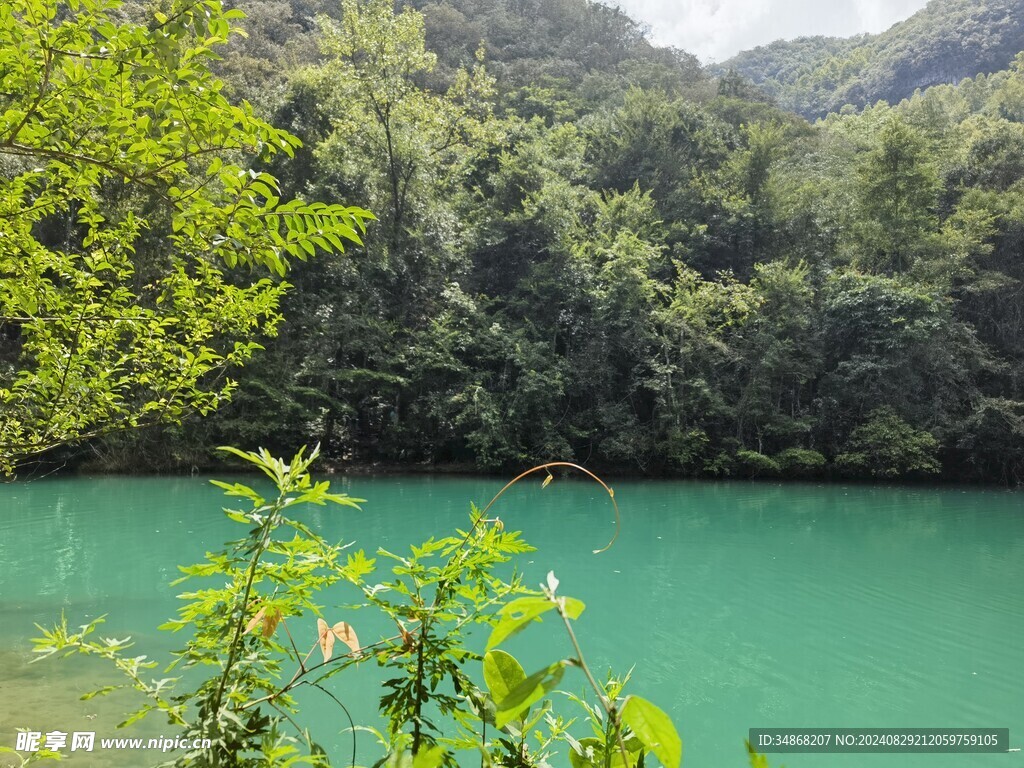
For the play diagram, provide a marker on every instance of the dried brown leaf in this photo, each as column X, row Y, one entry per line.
column 344, row 632
column 255, row 620
column 270, row 621
column 325, row 638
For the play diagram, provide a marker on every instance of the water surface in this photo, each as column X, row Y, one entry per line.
column 741, row 605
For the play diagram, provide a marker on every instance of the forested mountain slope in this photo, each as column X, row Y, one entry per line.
column 580, row 46
column 529, row 39
column 945, row 42
column 594, row 252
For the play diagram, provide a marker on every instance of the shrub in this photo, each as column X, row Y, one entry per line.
column 756, row 464
column 887, row 447
column 800, row 462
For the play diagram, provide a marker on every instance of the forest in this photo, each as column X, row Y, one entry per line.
column 586, row 248
column 942, row 43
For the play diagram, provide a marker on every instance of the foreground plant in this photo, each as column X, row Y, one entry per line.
column 269, row 578
column 253, row 643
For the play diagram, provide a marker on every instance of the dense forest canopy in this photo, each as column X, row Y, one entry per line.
column 588, row 248
column 943, row 43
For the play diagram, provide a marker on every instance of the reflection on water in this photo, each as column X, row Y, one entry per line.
column 741, row 605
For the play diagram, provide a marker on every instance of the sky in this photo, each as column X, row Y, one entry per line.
column 714, row 30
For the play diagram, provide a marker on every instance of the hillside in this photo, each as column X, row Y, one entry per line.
column 945, row 42
column 527, row 39
column 580, row 47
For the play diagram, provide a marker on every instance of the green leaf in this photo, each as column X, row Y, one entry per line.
column 572, row 607
column 756, row 760
column 514, row 617
column 654, row 729
column 580, row 759
column 99, row 692
column 531, row 690
column 136, row 716
column 429, row 758
column 502, row 673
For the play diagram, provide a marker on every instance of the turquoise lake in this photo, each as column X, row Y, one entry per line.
column 740, row 605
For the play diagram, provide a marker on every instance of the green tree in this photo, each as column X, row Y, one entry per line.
column 368, row 364
column 887, row 447
column 889, row 343
column 697, row 329
column 409, row 134
column 781, row 361
column 116, row 137
column 897, row 195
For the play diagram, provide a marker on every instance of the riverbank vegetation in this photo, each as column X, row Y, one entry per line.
column 593, row 251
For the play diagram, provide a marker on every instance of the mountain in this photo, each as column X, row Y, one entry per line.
column 577, row 47
column 945, row 42
column 529, row 37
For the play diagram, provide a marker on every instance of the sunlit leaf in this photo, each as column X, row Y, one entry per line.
column 100, row 692
column 529, row 691
column 655, row 730
column 432, row 757
column 135, row 717
column 756, row 760
column 514, row 617
column 502, row 673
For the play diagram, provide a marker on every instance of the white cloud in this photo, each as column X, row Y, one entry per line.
column 716, row 29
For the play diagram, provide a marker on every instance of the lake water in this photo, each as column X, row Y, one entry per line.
column 741, row 605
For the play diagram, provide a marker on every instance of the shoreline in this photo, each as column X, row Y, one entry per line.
column 466, row 469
